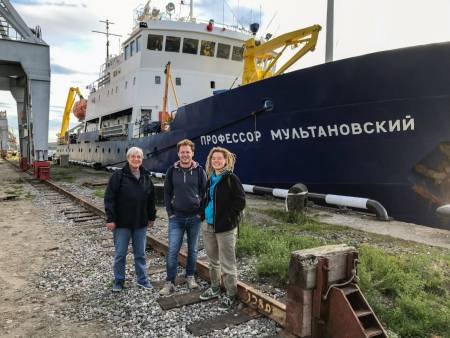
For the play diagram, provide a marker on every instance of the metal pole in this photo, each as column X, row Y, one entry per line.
column 330, row 27
column 107, row 40
column 107, row 33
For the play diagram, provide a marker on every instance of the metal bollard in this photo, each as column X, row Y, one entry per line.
column 296, row 199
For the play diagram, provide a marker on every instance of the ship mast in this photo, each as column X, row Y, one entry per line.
column 191, row 10
column 107, row 33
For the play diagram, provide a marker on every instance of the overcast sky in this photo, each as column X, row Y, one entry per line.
column 360, row 27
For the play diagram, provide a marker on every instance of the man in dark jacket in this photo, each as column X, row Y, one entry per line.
column 130, row 209
column 184, row 192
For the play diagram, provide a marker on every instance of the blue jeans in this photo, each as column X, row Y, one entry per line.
column 177, row 227
column 138, row 239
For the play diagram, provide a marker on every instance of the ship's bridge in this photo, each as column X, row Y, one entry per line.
column 203, row 57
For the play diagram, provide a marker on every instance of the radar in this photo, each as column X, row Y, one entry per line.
column 170, row 7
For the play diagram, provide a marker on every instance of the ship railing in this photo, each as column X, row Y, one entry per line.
column 235, row 28
column 7, row 32
column 117, row 130
column 113, row 61
column 105, row 79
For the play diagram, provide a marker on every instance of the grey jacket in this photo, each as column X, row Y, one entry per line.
column 184, row 190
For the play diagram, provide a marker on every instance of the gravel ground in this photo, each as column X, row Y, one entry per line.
column 80, row 272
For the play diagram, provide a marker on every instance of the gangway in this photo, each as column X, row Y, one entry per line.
column 25, row 72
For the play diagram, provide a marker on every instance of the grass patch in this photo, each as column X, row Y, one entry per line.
column 409, row 292
column 62, row 174
column 407, row 285
column 272, row 247
column 99, row 193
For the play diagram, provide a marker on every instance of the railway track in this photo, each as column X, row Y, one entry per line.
column 323, row 298
column 253, row 302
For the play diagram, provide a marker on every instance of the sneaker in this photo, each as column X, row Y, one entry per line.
column 192, row 284
column 167, row 289
column 227, row 302
column 146, row 285
column 212, row 292
column 117, row 286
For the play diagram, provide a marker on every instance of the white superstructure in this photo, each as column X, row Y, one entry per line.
column 204, row 57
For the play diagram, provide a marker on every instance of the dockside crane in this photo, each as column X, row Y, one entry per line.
column 81, row 105
column 260, row 57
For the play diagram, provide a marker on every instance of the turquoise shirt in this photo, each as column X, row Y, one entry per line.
column 209, row 211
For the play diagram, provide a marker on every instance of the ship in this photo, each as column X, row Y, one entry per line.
column 374, row 126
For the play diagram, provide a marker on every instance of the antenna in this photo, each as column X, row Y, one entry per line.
column 260, row 14
column 107, row 33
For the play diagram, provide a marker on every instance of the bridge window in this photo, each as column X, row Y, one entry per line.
column 138, row 44
column 173, row 44
column 238, row 53
column 190, row 46
column 154, row 42
column 207, row 48
column 223, row 51
column 131, row 48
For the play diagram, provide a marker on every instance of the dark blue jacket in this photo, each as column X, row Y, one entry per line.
column 184, row 190
column 129, row 202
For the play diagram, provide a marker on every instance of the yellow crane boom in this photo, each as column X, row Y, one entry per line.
column 73, row 91
column 260, row 59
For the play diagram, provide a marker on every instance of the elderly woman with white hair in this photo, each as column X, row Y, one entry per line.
column 130, row 209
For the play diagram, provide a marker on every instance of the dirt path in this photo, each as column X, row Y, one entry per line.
column 27, row 244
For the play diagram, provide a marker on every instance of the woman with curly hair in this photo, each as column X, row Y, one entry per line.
column 225, row 201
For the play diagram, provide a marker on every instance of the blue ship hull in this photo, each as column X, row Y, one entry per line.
column 374, row 126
